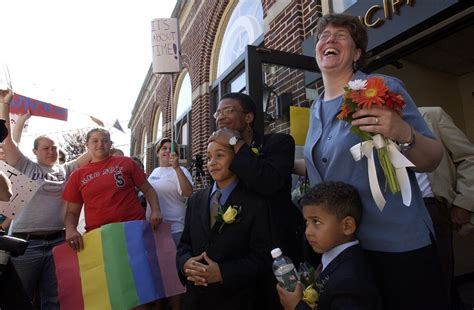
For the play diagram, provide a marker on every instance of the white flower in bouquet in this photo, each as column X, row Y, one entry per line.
column 357, row 84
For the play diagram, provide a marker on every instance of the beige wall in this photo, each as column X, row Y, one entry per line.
column 466, row 89
column 433, row 88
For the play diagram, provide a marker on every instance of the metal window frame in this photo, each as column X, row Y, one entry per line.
column 251, row 61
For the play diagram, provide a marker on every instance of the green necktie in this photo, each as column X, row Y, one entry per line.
column 214, row 206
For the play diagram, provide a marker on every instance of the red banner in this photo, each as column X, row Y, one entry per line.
column 22, row 104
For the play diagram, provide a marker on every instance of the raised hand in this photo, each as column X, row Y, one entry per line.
column 6, row 96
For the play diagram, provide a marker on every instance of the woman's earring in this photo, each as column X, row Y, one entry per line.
column 354, row 66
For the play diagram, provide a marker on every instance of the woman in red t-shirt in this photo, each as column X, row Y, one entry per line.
column 106, row 188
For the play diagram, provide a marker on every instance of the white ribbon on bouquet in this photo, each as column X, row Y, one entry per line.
column 399, row 162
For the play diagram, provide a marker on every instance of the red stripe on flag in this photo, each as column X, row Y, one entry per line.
column 68, row 277
column 166, row 252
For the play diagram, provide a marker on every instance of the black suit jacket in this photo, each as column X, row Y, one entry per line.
column 239, row 249
column 268, row 174
column 347, row 283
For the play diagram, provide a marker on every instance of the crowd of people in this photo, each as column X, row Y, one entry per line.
column 368, row 258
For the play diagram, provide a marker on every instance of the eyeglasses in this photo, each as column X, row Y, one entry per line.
column 227, row 112
column 338, row 36
column 49, row 148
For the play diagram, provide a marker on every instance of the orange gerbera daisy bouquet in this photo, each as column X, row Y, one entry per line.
column 361, row 94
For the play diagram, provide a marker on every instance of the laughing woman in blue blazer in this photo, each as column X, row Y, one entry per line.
column 399, row 239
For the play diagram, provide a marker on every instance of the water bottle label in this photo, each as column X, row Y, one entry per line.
column 286, row 275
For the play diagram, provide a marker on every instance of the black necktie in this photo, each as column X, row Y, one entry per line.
column 214, row 206
column 318, row 270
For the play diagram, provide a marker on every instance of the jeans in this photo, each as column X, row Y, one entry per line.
column 176, row 237
column 36, row 269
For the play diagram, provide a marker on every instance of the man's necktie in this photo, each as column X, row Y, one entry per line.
column 214, row 206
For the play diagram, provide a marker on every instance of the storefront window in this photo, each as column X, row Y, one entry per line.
column 237, row 85
column 244, row 27
column 339, row 6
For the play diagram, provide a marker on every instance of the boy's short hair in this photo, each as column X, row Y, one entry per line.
column 338, row 198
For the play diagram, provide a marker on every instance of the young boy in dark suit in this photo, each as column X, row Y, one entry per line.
column 219, row 262
column 332, row 211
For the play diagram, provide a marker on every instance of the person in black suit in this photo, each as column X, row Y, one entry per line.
column 332, row 211
column 219, row 263
column 264, row 163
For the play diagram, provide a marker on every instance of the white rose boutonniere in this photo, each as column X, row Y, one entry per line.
column 228, row 216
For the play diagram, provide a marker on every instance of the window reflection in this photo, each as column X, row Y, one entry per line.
column 184, row 97
column 244, row 27
column 339, row 6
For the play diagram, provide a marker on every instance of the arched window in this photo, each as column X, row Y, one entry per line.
column 158, row 127
column 182, row 124
column 144, row 149
column 157, row 135
column 184, row 97
column 244, row 27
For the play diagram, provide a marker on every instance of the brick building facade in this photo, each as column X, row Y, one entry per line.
column 407, row 39
column 202, row 25
column 425, row 43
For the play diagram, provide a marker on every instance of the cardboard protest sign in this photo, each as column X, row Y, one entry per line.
column 22, row 104
column 165, row 45
column 23, row 190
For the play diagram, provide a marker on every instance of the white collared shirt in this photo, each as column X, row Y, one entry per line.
column 334, row 252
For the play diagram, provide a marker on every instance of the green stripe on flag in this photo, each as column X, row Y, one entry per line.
column 120, row 281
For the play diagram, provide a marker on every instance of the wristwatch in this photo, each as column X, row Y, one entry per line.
column 233, row 140
column 408, row 145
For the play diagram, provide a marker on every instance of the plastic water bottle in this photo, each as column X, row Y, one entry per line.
column 284, row 270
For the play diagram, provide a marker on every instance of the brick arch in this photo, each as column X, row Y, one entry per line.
column 201, row 59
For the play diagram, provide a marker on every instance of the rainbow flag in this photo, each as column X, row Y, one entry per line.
column 123, row 265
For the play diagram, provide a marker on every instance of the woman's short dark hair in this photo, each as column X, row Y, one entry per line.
column 355, row 28
column 160, row 144
column 245, row 101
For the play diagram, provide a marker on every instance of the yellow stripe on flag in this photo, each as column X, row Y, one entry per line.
column 93, row 279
